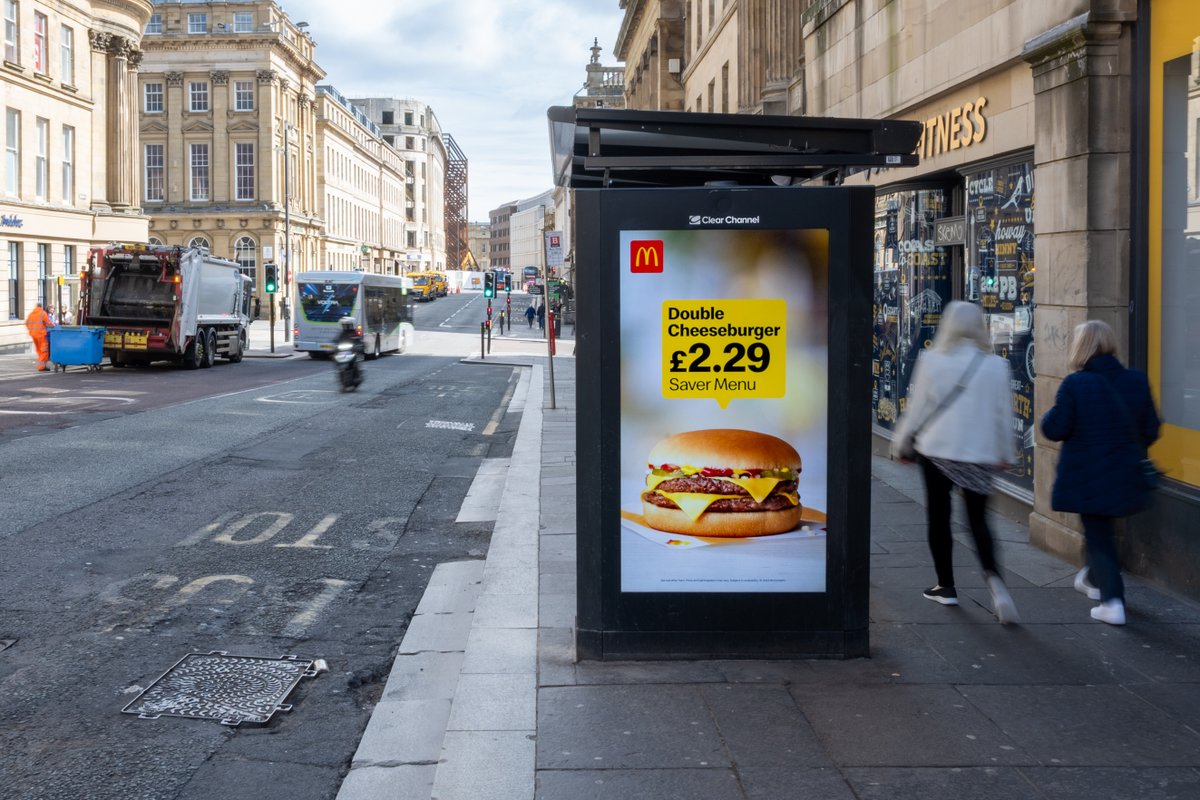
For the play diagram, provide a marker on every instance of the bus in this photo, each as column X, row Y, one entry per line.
column 379, row 305
column 529, row 276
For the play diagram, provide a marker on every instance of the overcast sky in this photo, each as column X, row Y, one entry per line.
column 489, row 69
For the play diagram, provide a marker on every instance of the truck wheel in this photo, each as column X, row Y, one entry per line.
column 238, row 348
column 209, row 355
column 193, row 353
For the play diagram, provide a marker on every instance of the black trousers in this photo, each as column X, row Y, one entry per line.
column 941, row 543
column 1104, row 565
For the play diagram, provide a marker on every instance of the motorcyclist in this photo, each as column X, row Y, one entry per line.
column 351, row 373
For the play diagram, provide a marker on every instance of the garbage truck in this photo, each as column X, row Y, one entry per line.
column 165, row 303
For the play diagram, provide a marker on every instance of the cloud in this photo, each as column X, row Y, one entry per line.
column 489, row 69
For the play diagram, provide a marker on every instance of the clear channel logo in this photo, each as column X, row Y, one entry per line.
column 699, row 219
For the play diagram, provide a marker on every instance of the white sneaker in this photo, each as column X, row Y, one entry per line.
column 1110, row 611
column 1084, row 586
column 1002, row 602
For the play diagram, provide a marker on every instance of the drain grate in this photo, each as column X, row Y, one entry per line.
column 221, row 687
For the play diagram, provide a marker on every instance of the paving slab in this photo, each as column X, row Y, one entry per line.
column 407, row 731
column 493, row 703
column 407, row 781
column 501, row 650
column 420, row 676
column 507, row 611
column 761, row 726
column 436, row 632
column 497, row 765
column 1092, row 783
column 976, row 783
column 776, row 783
column 663, row 784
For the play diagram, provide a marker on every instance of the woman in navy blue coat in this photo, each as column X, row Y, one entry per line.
column 1104, row 415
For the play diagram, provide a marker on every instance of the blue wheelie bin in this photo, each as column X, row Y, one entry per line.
column 76, row 346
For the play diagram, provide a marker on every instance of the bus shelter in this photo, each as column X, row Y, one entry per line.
column 723, row 358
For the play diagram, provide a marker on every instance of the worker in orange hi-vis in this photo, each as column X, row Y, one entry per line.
column 39, row 323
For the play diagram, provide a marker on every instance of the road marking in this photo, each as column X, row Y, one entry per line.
column 300, row 397
column 447, row 425
column 299, row 624
column 443, row 323
column 203, row 532
column 309, row 539
column 282, row 518
column 74, row 404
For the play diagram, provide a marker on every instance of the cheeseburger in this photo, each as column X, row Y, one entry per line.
column 724, row 483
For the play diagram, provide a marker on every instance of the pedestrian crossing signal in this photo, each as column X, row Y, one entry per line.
column 489, row 284
column 272, row 278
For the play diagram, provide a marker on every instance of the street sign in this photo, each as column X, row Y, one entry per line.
column 537, row 288
column 554, row 248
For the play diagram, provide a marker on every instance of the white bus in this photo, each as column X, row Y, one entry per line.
column 379, row 305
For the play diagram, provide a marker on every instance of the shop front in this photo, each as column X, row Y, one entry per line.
column 960, row 227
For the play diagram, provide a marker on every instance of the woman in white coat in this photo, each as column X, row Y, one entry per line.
column 959, row 421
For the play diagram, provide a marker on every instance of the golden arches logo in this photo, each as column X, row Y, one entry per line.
column 646, row 255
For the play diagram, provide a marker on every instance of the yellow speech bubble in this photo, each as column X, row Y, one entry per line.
column 724, row 349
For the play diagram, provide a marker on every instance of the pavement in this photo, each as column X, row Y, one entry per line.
column 487, row 701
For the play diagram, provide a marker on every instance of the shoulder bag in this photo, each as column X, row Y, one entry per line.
column 907, row 449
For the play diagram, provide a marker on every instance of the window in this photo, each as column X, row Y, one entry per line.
column 389, row 118
column 200, row 242
column 41, row 63
column 245, row 253
column 12, row 151
column 152, row 98
column 199, row 170
column 43, row 271
column 14, row 280
column 68, row 164
column 12, row 32
column 243, row 95
column 153, row 172
column 67, row 48
column 197, row 23
column 243, row 22
column 41, row 161
column 69, row 265
column 155, row 24
column 408, row 118
column 409, row 143
column 198, row 93
column 243, row 160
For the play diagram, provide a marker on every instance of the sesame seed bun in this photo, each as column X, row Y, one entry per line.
column 726, row 447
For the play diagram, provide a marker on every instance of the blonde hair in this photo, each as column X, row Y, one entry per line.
column 962, row 322
column 1091, row 338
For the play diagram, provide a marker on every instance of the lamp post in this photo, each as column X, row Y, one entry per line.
column 287, row 229
column 547, row 226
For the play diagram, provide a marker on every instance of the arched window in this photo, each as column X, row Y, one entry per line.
column 154, row 240
column 199, row 241
column 245, row 253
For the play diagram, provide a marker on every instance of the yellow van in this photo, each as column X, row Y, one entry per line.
column 423, row 286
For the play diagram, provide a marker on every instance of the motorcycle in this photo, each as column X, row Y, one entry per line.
column 346, row 357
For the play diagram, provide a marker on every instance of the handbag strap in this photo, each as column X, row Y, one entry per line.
column 952, row 395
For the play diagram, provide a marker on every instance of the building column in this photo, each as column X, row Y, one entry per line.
column 101, row 141
column 175, row 166
column 1081, row 79
column 221, row 160
column 121, row 123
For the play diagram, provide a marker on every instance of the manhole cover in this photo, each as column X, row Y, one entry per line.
column 225, row 688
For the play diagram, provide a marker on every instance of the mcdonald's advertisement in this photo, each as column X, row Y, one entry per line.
column 724, row 361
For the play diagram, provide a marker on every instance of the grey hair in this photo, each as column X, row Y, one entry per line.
column 1091, row 338
column 962, row 322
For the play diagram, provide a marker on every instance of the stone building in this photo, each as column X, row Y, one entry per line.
column 479, row 237
column 67, row 83
column 500, row 234
column 413, row 130
column 604, row 86
column 1059, row 181
column 363, row 190
column 228, row 156
column 651, row 43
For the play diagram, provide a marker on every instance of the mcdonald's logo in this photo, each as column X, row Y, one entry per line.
column 646, row 255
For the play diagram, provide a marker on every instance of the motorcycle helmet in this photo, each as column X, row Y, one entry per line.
column 348, row 324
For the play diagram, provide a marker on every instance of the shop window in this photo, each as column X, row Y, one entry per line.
column 912, row 285
column 1000, row 269
column 245, row 253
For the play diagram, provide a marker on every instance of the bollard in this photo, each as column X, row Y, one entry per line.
column 482, row 354
column 489, row 336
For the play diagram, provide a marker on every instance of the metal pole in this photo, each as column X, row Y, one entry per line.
column 287, row 219
column 272, row 322
column 547, row 226
column 482, row 347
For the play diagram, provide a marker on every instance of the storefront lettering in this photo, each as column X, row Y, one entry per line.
column 954, row 129
column 11, row 221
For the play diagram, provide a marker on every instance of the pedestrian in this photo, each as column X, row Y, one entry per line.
column 65, row 316
column 257, row 307
column 1105, row 417
column 529, row 315
column 541, row 315
column 959, row 428
column 39, row 323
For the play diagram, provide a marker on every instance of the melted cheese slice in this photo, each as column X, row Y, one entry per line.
column 653, row 480
column 758, row 488
column 696, row 503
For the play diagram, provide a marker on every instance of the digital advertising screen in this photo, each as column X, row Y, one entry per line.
column 724, row 364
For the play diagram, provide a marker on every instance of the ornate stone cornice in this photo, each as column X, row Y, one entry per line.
column 266, row 76
column 174, row 78
column 284, row 83
column 99, row 40
column 120, row 47
column 219, row 77
column 304, row 99
column 135, row 58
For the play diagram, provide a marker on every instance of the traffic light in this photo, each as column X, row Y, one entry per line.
column 508, row 281
column 272, row 278
column 489, row 284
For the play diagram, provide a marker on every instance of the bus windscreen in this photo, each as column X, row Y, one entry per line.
column 325, row 301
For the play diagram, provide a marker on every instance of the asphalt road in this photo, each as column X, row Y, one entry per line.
column 250, row 509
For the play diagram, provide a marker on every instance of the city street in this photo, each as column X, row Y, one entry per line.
column 251, row 509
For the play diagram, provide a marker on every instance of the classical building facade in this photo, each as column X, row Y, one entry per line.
column 479, row 238
column 67, row 83
column 228, row 156
column 604, row 86
column 363, row 190
column 651, row 43
column 412, row 129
